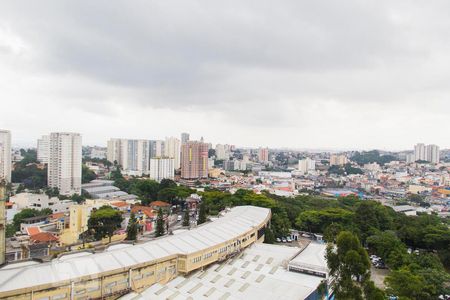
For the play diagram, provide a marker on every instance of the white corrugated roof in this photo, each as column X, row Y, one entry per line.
column 239, row 220
column 257, row 274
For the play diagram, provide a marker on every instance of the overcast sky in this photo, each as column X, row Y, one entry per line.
column 302, row 74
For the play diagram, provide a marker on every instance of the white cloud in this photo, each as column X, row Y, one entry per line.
column 298, row 73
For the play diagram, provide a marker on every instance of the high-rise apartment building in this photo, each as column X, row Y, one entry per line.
column 420, row 152
column 221, row 152
column 157, row 148
column 172, row 150
column 43, row 149
column 184, row 138
column 5, row 155
column 432, row 154
column 162, row 168
column 338, row 160
column 263, row 154
column 132, row 155
column 428, row 153
column 194, row 160
column 64, row 163
column 306, row 165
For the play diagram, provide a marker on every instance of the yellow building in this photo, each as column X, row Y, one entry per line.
column 79, row 216
column 110, row 274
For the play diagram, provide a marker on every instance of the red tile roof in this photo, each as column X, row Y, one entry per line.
column 145, row 209
column 120, row 204
column 43, row 237
column 33, row 230
column 159, row 204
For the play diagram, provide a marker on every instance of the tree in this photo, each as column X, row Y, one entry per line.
column 202, row 213
column 186, row 221
column 348, row 260
column 104, row 221
column 27, row 213
column 87, row 175
column 389, row 247
column 269, row 237
column 132, row 229
column 167, row 183
column 159, row 224
column 404, row 283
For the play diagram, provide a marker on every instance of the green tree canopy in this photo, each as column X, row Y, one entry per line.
column 104, row 221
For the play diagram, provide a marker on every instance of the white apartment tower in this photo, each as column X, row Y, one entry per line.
column 428, row 153
column 5, row 155
column 432, row 154
column 306, row 165
column 172, row 150
column 420, row 152
column 64, row 162
column 162, row 168
column 132, row 155
column 222, row 152
column 43, row 149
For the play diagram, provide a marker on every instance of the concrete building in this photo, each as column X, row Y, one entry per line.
column 306, row 165
column 420, row 152
column 432, row 154
column 132, row 155
column 222, row 152
column 5, row 155
column 172, row 150
column 263, row 154
column 184, row 138
column 43, row 149
column 194, row 160
column 338, row 160
column 64, row 164
column 41, row 201
column 157, row 148
column 162, row 168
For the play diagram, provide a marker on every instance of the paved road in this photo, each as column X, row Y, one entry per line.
column 378, row 276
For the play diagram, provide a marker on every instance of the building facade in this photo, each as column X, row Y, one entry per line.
column 43, row 148
column 184, row 137
column 172, row 150
column 162, row 168
column 306, row 165
column 5, row 155
column 132, row 155
column 64, row 164
column 194, row 160
column 263, row 155
column 338, row 160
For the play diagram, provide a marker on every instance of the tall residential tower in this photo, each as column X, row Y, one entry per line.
column 194, row 160
column 64, row 163
column 5, row 155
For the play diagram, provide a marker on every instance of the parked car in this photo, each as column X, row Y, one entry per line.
column 288, row 239
column 283, row 240
column 306, row 235
column 278, row 240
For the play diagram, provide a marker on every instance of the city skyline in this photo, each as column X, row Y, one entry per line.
column 292, row 76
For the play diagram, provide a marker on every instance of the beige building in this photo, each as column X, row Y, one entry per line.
column 338, row 160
